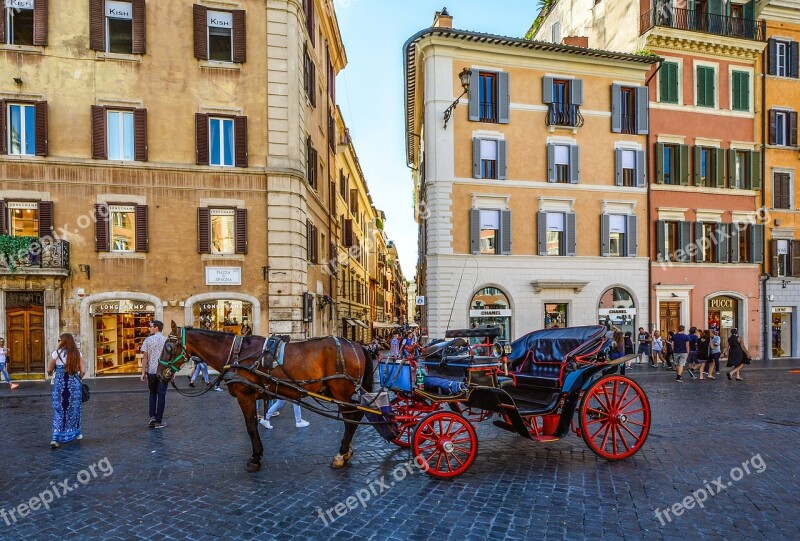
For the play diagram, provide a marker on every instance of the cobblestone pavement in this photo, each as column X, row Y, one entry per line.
column 188, row 481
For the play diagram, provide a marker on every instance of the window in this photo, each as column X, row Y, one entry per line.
column 740, row 83
column 669, row 83
column 490, row 231
column 781, row 191
column 628, row 108
column 555, row 32
column 312, row 242
column 781, row 257
column 561, row 163
column 705, row 86
column 488, row 158
column 221, row 141
column 707, row 241
column 706, row 167
column 19, row 22
column 122, row 219
column 555, row 315
column 311, row 163
column 344, row 188
column 220, row 36
column 739, row 169
column 629, row 168
column 120, row 135
column 564, row 98
column 781, row 58
column 310, row 78
column 745, row 241
column 488, row 97
column 782, row 128
column 23, row 218
column 672, row 241
column 617, row 239
column 555, row 233
column 309, row 12
column 119, row 27
column 223, row 234
column 21, row 129
column 670, row 172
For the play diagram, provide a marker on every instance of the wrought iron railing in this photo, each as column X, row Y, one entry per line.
column 564, row 114
column 701, row 21
column 34, row 253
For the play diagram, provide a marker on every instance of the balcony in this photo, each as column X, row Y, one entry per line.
column 701, row 21
column 564, row 114
column 32, row 254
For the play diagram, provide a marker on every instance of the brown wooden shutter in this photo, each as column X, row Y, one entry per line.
column 240, row 231
column 45, row 218
column 41, row 128
column 239, row 36
column 772, row 127
column 142, row 241
column 201, row 131
column 794, row 253
column 2, row 23
column 200, row 32
column 40, row 22
column 140, row 135
column 101, row 228
column 99, row 150
column 3, row 135
column 240, row 137
column 3, row 218
column 203, row 231
column 97, row 37
column 139, row 27
column 793, row 129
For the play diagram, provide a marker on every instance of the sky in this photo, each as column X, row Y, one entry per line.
column 370, row 91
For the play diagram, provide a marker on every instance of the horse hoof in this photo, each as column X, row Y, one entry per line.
column 348, row 456
column 252, row 467
column 338, row 462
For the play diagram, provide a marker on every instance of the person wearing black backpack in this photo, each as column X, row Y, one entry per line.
column 703, row 351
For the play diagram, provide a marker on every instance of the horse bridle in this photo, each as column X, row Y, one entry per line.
column 171, row 365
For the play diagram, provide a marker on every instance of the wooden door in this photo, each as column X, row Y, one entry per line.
column 669, row 316
column 26, row 340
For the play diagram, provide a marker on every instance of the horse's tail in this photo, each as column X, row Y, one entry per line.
column 369, row 371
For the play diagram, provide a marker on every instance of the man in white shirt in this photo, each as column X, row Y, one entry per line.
column 151, row 348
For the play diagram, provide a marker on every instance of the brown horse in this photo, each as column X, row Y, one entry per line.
column 331, row 367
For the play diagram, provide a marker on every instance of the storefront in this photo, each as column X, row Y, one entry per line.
column 723, row 315
column 617, row 309
column 556, row 315
column 227, row 315
column 781, row 331
column 490, row 308
column 120, row 327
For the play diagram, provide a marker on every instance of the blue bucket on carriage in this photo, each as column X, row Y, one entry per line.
column 395, row 374
column 384, row 423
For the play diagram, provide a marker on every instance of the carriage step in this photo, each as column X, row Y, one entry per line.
column 544, row 439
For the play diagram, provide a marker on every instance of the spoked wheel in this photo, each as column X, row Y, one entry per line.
column 446, row 443
column 409, row 410
column 615, row 417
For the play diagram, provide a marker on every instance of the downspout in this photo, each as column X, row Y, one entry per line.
column 649, row 153
column 767, row 321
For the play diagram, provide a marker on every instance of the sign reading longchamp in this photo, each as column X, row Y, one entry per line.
column 223, row 276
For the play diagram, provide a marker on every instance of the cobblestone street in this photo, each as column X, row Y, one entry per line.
column 188, row 481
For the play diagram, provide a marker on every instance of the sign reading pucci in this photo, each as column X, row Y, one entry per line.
column 223, row 276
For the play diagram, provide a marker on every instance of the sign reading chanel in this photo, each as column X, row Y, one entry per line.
column 220, row 19
column 119, row 10
column 490, row 313
column 19, row 4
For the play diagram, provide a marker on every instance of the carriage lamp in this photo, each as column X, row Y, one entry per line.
column 507, row 349
column 464, row 76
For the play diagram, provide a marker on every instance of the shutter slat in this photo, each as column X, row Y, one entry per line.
column 99, row 151
column 641, row 169
column 722, row 243
column 773, row 126
column 551, row 162
column 795, row 257
column 773, row 250
column 41, row 128
column 505, row 232
column 2, row 217
column 683, row 164
column 732, row 169
column 719, row 166
column 97, row 34
column 632, row 234
column 2, row 27
column 757, row 243
column 201, row 137
column 698, row 152
column 241, row 231
column 547, row 89
column 793, row 129
column 755, row 170
column 661, row 248
column 642, row 110
column 734, row 242
column 616, row 108
column 502, row 159
column 793, row 59
column 239, row 36
column 140, row 135
column 772, row 67
column 570, row 234
column 203, row 231
column 660, row 164
column 541, row 232
column 45, row 219
column 142, row 241
column 139, row 24
column 474, row 96
column 39, row 23
column 101, row 228
column 685, row 232
column 700, row 241
column 3, row 134
column 576, row 92
column 240, row 136
column 574, row 164
column 476, row 158
column 618, row 166
column 605, row 234
column 503, row 98
column 200, row 32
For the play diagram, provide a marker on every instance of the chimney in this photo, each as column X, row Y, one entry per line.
column 442, row 19
column 576, row 41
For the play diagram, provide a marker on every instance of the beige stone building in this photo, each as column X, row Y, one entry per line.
column 147, row 171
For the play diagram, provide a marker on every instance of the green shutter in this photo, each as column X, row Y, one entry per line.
column 705, row 86
column 741, row 91
column 755, row 170
column 660, row 164
column 683, row 157
column 701, row 86
column 669, row 83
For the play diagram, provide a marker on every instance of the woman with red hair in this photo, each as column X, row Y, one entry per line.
column 67, row 364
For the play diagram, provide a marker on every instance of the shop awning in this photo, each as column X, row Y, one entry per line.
column 362, row 324
column 379, row 325
column 350, row 322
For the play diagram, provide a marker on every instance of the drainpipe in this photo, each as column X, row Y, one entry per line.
column 767, row 321
column 649, row 225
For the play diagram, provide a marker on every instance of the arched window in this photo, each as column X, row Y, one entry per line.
column 491, row 307
column 617, row 309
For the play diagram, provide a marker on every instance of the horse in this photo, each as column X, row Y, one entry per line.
column 330, row 367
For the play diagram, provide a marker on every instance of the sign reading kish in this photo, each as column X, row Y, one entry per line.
column 220, row 19
column 19, row 4
column 119, row 10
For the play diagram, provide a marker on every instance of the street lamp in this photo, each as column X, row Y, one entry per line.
column 465, row 77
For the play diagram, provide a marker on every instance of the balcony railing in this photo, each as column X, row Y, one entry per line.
column 29, row 253
column 701, row 21
column 564, row 114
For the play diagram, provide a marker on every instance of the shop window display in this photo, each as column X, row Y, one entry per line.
column 120, row 327
column 223, row 315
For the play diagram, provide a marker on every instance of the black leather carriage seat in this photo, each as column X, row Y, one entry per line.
column 433, row 350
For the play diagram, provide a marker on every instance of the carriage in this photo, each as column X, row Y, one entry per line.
column 533, row 387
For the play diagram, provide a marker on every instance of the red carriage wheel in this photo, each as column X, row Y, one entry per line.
column 446, row 442
column 409, row 410
column 615, row 417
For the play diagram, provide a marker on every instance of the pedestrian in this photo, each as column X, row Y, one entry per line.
column 691, row 361
column 714, row 354
column 5, row 359
column 199, row 366
column 658, row 348
column 738, row 356
column 628, row 341
column 394, row 347
column 704, row 352
column 299, row 422
column 67, row 365
column 669, row 353
column 617, row 345
column 246, row 330
column 680, row 346
column 407, row 345
column 151, row 349
column 643, row 340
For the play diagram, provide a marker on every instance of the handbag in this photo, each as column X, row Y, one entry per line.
column 85, row 394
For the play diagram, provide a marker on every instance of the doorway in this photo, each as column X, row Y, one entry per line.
column 669, row 316
column 25, row 326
